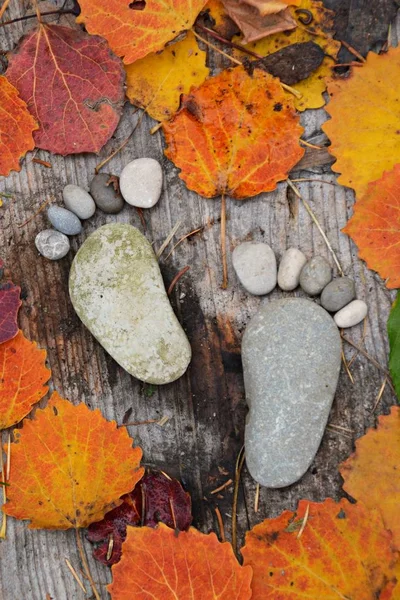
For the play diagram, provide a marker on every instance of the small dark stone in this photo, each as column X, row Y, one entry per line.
column 105, row 196
column 293, row 63
column 338, row 293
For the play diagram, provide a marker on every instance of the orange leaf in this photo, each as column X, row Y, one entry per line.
column 375, row 226
column 69, row 467
column 72, row 84
column 364, row 128
column 372, row 473
column 16, row 128
column 163, row 565
column 23, row 374
column 343, row 552
column 236, row 135
column 133, row 32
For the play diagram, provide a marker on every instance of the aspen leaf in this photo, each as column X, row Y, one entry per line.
column 23, row 375
column 267, row 7
column 375, row 226
column 344, row 551
column 9, row 306
column 162, row 564
column 69, row 467
column 133, row 32
column 72, row 84
column 393, row 328
column 365, row 116
column 254, row 25
column 236, row 135
column 372, row 475
column 319, row 31
column 157, row 81
column 16, row 128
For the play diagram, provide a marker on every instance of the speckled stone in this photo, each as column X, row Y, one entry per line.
column 255, row 266
column 105, row 196
column 352, row 314
column 141, row 182
column 338, row 293
column 52, row 244
column 78, row 201
column 291, row 355
column 293, row 260
column 117, row 291
column 64, row 220
column 315, row 275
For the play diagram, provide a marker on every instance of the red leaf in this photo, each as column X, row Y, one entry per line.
column 164, row 500
column 9, row 306
column 72, row 84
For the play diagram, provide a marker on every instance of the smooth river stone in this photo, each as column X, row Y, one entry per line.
column 291, row 354
column 140, row 182
column 338, row 293
column 352, row 314
column 64, row 220
column 255, row 266
column 52, row 244
column 104, row 194
column 291, row 265
column 78, row 201
column 117, row 290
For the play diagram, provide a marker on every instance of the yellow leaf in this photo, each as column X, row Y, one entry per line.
column 157, row 81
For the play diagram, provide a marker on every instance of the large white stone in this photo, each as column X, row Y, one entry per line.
column 141, row 182
column 117, row 290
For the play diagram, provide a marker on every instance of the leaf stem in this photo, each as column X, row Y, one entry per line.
column 218, row 37
column 34, row 16
column 238, row 470
column 207, row 43
column 85, row 565
column 223, row 243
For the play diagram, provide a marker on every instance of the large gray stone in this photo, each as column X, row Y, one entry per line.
column 117, row 290
column 291, row 361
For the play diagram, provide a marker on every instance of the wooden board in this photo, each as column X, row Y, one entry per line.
column 205, row 408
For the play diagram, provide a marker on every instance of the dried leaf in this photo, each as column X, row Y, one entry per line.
column 165, row 501
column 371, row 474
column 23, row 375
column 393, row 327
column 253, row 25
column 364, row 128
column 343, row 552
column 162, row 564
column 292, row 63
column 215, row 16
column 319, row 31
column 236, row 135
column 132, row 34
column 73, row 86
column 267, row 7
column 9, row 306
column 157, row 81
column 69, row 467
column 16, row 128
column 375, row 226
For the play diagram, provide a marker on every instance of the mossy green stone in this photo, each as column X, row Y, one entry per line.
column 117, row 290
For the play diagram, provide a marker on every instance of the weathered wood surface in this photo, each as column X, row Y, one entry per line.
column 206, row 408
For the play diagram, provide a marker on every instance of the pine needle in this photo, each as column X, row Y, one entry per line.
column 257, row 498
column 238, row 470
column 222, row 487
column 168, row 239
column 223, row 243
column 380, row 394
column 220, row 524
column 75, row 575
column 304, row 522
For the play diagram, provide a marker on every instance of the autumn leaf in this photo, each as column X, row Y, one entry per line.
column 165, row 565
column 72, row 84
column 16, row 128
column 157, row 81
column 236, row 135
column 164, row 501
column 393, row 327
column 375, row 226
column 69, row 467
column 23, row 375
column 344, row 551
column 267, row 7
column 365, row 116
column 254, row 25
column 134, row 33
column 319, row 31
column 9, row 306
column 371, row 474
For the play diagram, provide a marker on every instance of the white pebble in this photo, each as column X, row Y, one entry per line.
column 255, row 266
column 52, row 244
column 78, row 201
column 352, row 314
column 141, row 182
column 293, row 260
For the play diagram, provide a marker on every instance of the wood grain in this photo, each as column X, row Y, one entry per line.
column 206, row 408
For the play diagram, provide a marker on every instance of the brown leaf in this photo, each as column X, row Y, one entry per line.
column 253, row 25
column 292, row 63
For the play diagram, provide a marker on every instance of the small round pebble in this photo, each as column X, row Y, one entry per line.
column 338, row 293
column 255, row 266
column 141, row 182
column 315, row 275
column 352, row 314
column 105, row 196
column 52, row 244
column 293, row 260
column 64, row 220
column 78, row 201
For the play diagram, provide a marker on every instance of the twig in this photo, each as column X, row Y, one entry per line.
column 292, row 90
column 110, row 547
column 154, row 129
column 311, row 146
column 172, row 512
column 218, row 37
column 44, row 163
column 3, row 529
column 348, row 64
column 312, row 180
column 4, row 7
column 184, row 237
column 380, row 394
column 207, row 43
column 124, row 143
column 364, row 333
column 136, row 423
column 220, row 524
column 176, row 279
column 85, row 565
column 43, row 205
column 341, row 428
column 43, row 14
column 257, row 498
column 8, row 465
column 75, row 575
column 333, row 430
column 238, row 470
column 168, row 239
column 222, row 487
column 223, row 243
column 353, row 51
column 346, row 366
column 314, row 218
column 305, row 519
column 364, row 353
